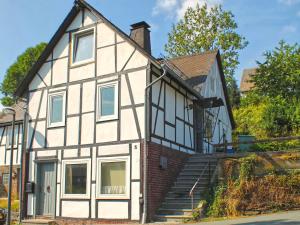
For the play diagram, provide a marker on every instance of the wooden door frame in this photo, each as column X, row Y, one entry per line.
column 36, row 164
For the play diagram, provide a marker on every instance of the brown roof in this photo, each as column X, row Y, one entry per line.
column 195, row 65
column 246, row 83
column 5, row 118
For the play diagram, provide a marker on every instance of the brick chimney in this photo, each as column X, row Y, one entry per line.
column 140, row 33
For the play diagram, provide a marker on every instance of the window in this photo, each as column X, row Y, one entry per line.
column 83, row 46
column 113, row 178
column 76, row 178
column 107, row 102
column 56, row 109
column 9, row 136
column 5, row 178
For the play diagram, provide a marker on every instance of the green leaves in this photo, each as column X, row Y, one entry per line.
column 17, row 71
column 203, row 29
column 279, row 74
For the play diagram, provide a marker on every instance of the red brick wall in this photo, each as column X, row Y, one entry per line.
column 160, row 180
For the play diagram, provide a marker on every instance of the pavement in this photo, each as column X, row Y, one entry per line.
column 280, row 218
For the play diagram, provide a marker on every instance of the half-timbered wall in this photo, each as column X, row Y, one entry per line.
column 221, row 126
column 5, row 147
column 172, row 123
column 83, row 136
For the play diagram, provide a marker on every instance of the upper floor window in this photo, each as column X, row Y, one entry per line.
column 56, row 110
column 83, row 46
column 9, row 136
column 107, row 102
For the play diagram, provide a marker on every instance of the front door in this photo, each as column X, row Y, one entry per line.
column 45, row 189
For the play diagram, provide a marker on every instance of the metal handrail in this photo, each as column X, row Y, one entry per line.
column 191, row 193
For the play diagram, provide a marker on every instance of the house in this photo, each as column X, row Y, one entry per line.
column 5, row 152
column 110, row 126
column 246, row 84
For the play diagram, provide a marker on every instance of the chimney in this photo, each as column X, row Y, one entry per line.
column 140, row 33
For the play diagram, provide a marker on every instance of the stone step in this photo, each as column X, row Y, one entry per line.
column 163, row 211
column 172, row 218
column 38, row 222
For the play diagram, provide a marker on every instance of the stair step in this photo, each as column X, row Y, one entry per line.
column 172, row 218
column 38, row 222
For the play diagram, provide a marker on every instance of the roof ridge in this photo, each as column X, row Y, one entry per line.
column 195, row 54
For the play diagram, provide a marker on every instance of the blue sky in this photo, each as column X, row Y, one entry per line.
column 263, row 23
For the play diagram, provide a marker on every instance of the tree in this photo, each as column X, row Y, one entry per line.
column 17, row 71
column 203, row 30
column 279, row 75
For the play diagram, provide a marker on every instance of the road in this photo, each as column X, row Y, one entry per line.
column 282, row 218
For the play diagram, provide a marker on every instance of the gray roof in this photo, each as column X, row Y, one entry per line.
column 6, row 119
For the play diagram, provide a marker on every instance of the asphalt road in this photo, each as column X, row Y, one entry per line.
column 282, row 218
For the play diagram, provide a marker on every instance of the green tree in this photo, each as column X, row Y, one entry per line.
column 17, row 71
column 203, row 30
column 279, row 75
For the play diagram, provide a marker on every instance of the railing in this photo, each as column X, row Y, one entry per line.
column 191, row 193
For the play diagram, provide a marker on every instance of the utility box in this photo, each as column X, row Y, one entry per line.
column 29, row 187
column 243, row 147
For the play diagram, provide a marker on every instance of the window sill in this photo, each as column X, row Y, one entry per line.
column 82, row 63
column 106, row 120
column 113, row 197
column 56, row 126
column 66, row 197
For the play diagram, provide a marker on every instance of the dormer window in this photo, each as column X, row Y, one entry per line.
column 83, row 46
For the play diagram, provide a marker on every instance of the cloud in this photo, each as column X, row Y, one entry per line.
column 289, row 2
column 289, row 29
column 176, row 8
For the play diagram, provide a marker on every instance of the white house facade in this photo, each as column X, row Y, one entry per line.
column 89, row 115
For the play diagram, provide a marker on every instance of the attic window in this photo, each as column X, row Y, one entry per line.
column 83, row 46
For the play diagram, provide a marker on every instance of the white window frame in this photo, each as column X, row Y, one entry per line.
column 88, row 178
column 61, row 123
column 74, row 34
column 127, row 178
column 116, row 103
column 8, row 136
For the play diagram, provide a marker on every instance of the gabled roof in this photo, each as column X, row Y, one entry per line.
column 197, row 68
column 246, row 83
column 78, row 5
column 197, row 64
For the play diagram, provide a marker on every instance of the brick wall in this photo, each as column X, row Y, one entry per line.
column 160, row 180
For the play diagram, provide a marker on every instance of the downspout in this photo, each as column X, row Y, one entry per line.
column 145, row 156
column 23, row 150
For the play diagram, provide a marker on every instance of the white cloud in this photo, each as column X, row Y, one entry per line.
column 289, row 29
column 176, row 8
column 289, row 2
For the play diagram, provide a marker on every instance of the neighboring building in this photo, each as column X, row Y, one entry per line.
column 246, row 84
column 5, row 151
column 87, row 122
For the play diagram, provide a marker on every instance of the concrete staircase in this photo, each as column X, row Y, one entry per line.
column 177, row 204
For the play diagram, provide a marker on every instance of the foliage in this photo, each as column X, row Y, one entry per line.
column 266, row 117
column 247, row 192
column 17, row 71
column 203, row 29
column 247, row 165
column 279, row 75
column 14, row 204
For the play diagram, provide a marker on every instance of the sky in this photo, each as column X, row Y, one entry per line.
column 263, row 23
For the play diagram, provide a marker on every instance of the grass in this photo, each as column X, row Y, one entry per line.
column 14, row 204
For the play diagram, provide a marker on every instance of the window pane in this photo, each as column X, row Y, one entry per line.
column 10, row 136
column 56, row 109
column 75, row 179
column 107, row 101
column 5, row 178
column 83, row 47
column 113, row 178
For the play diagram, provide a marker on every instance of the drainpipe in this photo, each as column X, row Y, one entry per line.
column 145, row 156
column 23, row 150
